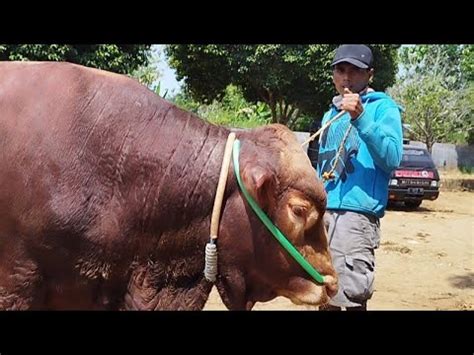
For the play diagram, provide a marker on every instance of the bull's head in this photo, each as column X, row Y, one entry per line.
column 253, row 266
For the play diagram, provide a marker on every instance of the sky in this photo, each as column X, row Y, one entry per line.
column 168, row 75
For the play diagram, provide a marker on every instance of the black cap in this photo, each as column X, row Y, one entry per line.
column 356, row 54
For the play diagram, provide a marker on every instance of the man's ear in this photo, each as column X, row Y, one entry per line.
column 371, row 75
column 260, row 182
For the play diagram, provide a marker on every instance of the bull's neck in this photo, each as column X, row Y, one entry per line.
column 186, row 160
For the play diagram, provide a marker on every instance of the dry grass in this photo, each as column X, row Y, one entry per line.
column 454, row 174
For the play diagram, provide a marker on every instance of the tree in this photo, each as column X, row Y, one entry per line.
column 232, row 111
column 148, row 74
column 122, row 59
column 437, row 96
column 467, row 62
column 291, row 79
column 457, row 60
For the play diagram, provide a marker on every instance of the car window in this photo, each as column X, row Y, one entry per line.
column 416, row 157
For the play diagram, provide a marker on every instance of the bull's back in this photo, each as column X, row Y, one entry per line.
column 56, row 101
column 54, row 120
column 72, row 138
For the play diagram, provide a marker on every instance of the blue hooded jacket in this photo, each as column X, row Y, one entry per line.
column 372, row 150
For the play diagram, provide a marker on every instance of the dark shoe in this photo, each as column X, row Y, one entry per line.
column 358, row 308
column 328, row 307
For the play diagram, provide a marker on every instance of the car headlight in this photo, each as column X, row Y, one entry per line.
column 393, row 182
column 434, row 183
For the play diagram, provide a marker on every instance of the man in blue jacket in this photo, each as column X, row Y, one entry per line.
column 356, row 156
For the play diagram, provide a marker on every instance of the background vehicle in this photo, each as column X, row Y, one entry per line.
column 416, row 179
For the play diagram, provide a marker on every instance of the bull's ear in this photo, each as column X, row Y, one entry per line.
column 260, row 183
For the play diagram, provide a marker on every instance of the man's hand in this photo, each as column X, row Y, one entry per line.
column 351, row 103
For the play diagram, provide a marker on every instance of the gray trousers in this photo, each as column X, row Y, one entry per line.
column 353, row 238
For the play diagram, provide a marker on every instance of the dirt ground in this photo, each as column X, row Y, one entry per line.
column 425, row 261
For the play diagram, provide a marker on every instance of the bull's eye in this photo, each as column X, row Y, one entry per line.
column 299, row 211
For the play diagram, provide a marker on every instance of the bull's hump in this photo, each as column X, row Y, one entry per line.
column 41, row 65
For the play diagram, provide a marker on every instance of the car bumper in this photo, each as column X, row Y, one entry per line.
column 405, row 195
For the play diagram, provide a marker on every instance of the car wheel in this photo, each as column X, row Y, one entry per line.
column 413, row 204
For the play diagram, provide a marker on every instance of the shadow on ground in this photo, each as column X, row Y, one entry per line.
column 465, row 281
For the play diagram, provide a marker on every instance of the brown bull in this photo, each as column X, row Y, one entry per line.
column 106, row 192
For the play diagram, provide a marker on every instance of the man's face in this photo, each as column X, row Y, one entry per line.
column 346, row 75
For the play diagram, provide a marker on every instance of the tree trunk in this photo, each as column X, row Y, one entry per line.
column 429, row 145
column 273, row 109
column 282, row 112
column 283, row 118
column 294, row 114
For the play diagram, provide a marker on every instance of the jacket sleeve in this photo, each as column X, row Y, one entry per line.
column 382, row 132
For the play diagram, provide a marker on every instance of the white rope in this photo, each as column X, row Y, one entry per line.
column 326, row 125
column 210, row 267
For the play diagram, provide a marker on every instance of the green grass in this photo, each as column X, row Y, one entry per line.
column 466, row 169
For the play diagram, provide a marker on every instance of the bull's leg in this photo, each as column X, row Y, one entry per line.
column 232, row 289
column 20, row 279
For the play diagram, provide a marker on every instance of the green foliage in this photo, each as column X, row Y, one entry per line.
column 293, row 80
column 466, row 169
column 457, row 62
column 385, row 66
column 232, row 111
column 435, row 94
column 148, row 74
column 468, row 101
column 122, row 59
column 467, row 62
column 303, row 123
column 157, row 89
